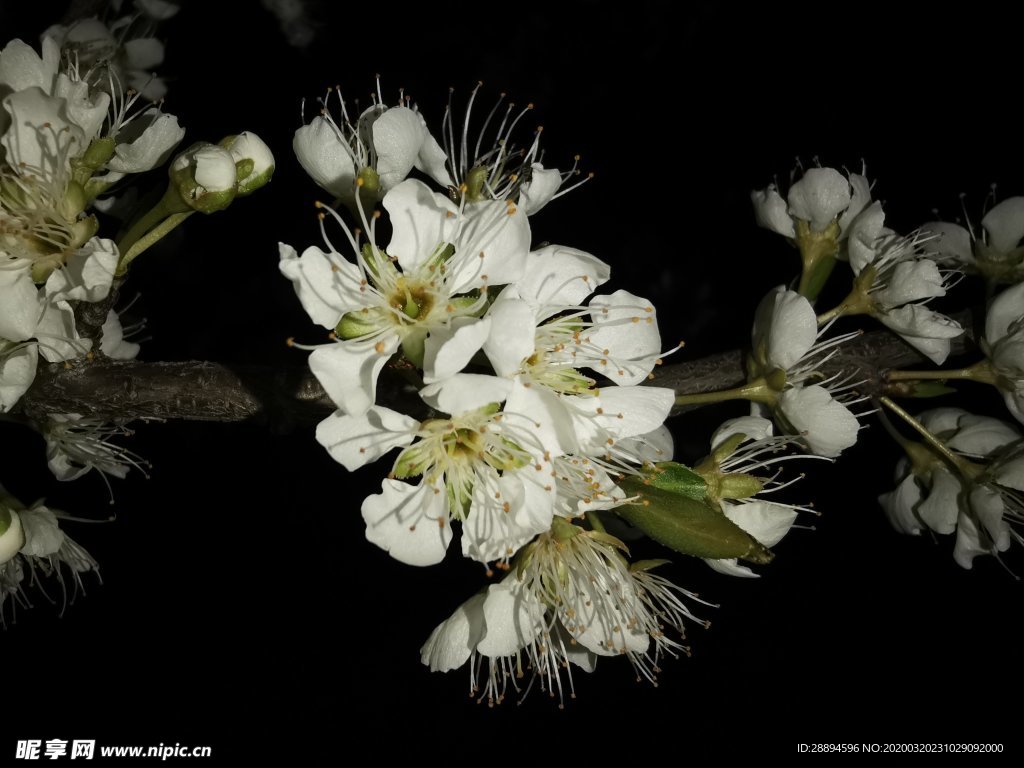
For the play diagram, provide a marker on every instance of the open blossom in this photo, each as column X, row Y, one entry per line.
column 895, row 280
column 785, row 339
column 573, row 600
column 381, row 147
column 490, row 469
column 486, row 163
column 32, row 544
column 978, row 500
column 1004, row 346
column 997, row 253
column 432, row 279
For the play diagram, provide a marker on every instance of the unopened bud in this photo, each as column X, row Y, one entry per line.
column 254, row 162
column 205, row 178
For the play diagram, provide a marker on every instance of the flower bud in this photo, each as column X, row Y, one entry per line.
column 205, row 177
column 254, row 162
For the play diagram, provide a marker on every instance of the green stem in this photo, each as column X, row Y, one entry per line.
column 169, row 205
column 980, row 371
column 150, row 238
column 595, row 522
column 966, row 468
column 758, row 391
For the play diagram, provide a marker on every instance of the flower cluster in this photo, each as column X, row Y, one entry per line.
column 529, row 418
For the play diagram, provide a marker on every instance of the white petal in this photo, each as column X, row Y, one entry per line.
column 968, row 542
column 754, row 427
column 348, row 371
column 466, row 392
column 982, row 435
column 31, row 146
column 43, row 536
column 927, row 331
column 538, row 191
column 421, row 222
column 732, row 567
column 432, row 160
column 819, row 197
column 546, row 416
column 785, row 328
column 19, row 303
column 326, row 287
column 398, row 135
column 1011, row 473
column 11, row 541
column 112, row 341
column 911, row 281
column 17, row 372
column 505, row 513
column 357, row 440
column 899, row 506
column 146, row 142
column 858, row 202
column 627, row 326
column 654, row 446
column 59, row 339
column 158, row 10
column 617, row 413
column 492, row 246
column 21, row 67
column 771, row 212
column 941, row 422
column 988, row 505
column 1004, row 224
column 952, row 241
column 513, row 333
column 325, row 156
column 513, row 618
column 826, row 426
column 453, row 640
column 1006, row 309
column 940, row 509
column 766, row 522
column 409, row 522
column 449, row 348
column 560, row 276
column 864, row 232
column 597, row 620
column 88, row 273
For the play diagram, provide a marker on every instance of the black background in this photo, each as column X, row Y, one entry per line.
column 241, row 606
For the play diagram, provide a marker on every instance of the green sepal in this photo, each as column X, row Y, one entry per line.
column 687, row 525
column 918, row 389
column 413, row 346
column 647, row 565
column 353, row 325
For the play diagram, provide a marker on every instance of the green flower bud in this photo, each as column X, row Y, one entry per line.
column 204, row 177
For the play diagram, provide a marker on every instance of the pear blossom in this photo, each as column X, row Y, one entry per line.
column 44, row 550
column 822, row 198
column 381, row 147
column 997, row 252
column 978, row 501
column 573, row 600
column 488, row 468
column 786, row 341
column 894, row 280
column 76, row 445
column 1004, row 346
column 432, row 279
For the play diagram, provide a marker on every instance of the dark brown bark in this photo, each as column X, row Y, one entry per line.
column 202, row 391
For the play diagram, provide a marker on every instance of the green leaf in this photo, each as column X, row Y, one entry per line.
column 677, row 478
column 688, row 525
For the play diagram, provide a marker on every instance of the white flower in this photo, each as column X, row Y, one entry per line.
column 489, row 469
column 573, row 600
column 77, row 444
column 44, row 547
column 390, row 142
column 894, row 281
column 977, row 501
column 822, row 197
column 433, row 279
column 1004, row 346
column 114, row 341
column 785, row 338
column 997, row 253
